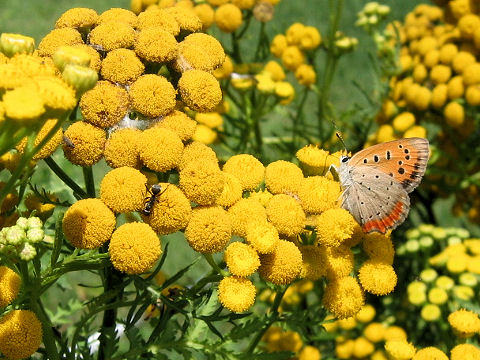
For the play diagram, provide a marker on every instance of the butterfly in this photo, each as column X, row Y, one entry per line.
column 376, row 182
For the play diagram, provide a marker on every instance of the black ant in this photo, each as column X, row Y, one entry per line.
column 155, row 191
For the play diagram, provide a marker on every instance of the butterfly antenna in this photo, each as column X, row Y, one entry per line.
column 339, row 136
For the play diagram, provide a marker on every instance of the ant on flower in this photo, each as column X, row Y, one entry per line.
column 155, row 191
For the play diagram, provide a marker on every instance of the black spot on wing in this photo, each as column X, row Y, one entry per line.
column 401, row 171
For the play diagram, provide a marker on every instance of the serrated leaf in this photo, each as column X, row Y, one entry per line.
column 246, row 329
column 281, row 355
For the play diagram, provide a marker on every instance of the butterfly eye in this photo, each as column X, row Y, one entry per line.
column 345, row 159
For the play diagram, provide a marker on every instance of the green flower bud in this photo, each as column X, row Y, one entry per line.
column 371, row 7
column 48, row 239
column 80, row 77
column 35, row 222
column 463, row 292
column 413, row 234
column 439, row 234
column 468, row 279
column 35, row 235
column 425, row 242
column 412, row 246
column 428, row 275
column 426, row 229
column 383, row 10
column 372, row 20
column 15, row 235
column 12, row 44
column 452, row 240
column 69, row 55
column 22, row 223
column 28, row 252
column 462, row 233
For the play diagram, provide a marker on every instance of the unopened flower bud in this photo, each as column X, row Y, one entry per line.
column 69, row 55
column 371, row 7
column 372, row 19
column 22, row 223
column 15, row 235
column 413, row 234
column 265, row 84
column 11, row 44
column 263, row 11
column 28, row 252
column 412, row 246
column 452, row 240
column 34, row 222
column 80, row 77
column 35, row 235
column 425, row 242
column 48, row 239
column 362, row 21
column 383, row 10
column 346, row 43
column 468, row 279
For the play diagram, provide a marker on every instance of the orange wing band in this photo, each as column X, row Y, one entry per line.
column 386, row 223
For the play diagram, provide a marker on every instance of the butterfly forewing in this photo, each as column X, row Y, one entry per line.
column 405, row 160
column 375, row 200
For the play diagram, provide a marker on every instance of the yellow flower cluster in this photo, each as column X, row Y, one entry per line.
column 20, row 334
column 291, row 47
column 276, row 340
column 438, row 85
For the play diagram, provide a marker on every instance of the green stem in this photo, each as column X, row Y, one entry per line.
column 261, row 39
column 48, row 335
column 214, row 265
column 89, row 181
column 65, row 178
column 298, row 119
column 274, row 309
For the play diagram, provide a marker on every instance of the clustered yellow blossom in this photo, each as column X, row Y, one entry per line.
column 20, row 334
column 277, row 340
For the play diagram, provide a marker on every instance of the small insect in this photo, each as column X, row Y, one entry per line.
column 155, row 191
column 377, row 180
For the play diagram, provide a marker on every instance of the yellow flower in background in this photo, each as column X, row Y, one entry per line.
column 374, row 332
column 180, row 123
column 160, row 149
column 23, row 104
column 262, row 235
column 123, row 189
column 52, row 144
column 202, row 182
column 344, row 350
column 400, row 349
column 122, row 66
column 228, row 18
column 292, row 58
column 232, row 191
column 430, row 353
column 285, row 91
column 134, row 248
column 118, row 15
column 171, row 212
column 152, row 95
column 200, row 90
column 122, row 148
column 42, row 209
column 278, row 45
column 430, row 312
column 204, row 134
column 186, row 18
column 247, row 169
column 362, row 348
column 88, row 224
column 286, row 214
column 464, row 351
column 464, row 323
column 225, row 70
column 294, row 33
column 310, row 38
column 403, row 121
column 283, row 265
column 237, row 294
column 454, row 114
column 283, row 177
column 56, row 38
column 209, row 229
column 206, row 14
column 314, row 262
column 88, row 143
column 343, row 297
column 366, row 314
column 10, row 283
column 210, row 119
column 306, row 75
column 158, row 18
column 334, row 226
column 104, row 105
column 309, row 353
column 244, row 212
column 112, row 35
column 241, row 259
column 81, row 19
column 395, row 333
column 275, row 70
column 377, row 277
column 20, row 334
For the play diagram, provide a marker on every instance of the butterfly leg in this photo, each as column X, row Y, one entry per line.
column 334, row 171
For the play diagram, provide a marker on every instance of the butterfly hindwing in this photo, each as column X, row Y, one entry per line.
column 375, row 199
column 405, row 160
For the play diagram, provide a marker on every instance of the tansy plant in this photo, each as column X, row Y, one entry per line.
column 177, row 249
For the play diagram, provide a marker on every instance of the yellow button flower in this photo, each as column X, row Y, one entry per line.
column 10, row 283
column 118, row 15
column 395, row 333
column 366, row 314
column 186, row 18
column 201, row 51
column 104, row 105
column 210, row 119
column 123, row 189
column 202, row 182
column 262, row 196
column 23, row 104
column 377, row 277
column 465, row 351
column 171, row 212
column 122, row 66
column 430, row 353
column 241, row 259
column 278, row 45
column 55, row 93
column 196, row 150
column 228, row 18
column 400, row 349
column 134, row 248
column 237, row 294
column 343, row 297
column 95, row 61
column 275, row 70
column 52, row 144
column 56, row 38
column 362, row 348
column 318, row 194
column 454, row 114
column 200, row 90
column 334, row 226
column 244, row 212
column 122, row 148
column 339, row 260
column 403, row 121
column 206, row 14
column 464, row 323
column 249, row 170
column 306, row 75
column 160, row 149
column 232, row 191
column 310, row 38
column 158, row 18
column 180, row 123
column 292, row 58
column 81, row 19
column 204, row 134
column 286, row 214
column 283, row 177
column 209, row 229
column 263, row 236
column 225, row 70
column 379, row 247
column 374, row 332
column 431, row 312
column 156, row 45
column 314, row 262
column 88, row 224
column 112, row 35
column 152, row 95
column 283, row 265
column 20, row 334
column 294, row 33
column 88, row 143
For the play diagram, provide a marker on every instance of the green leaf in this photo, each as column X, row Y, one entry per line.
column 57, row 245
column 281, row 355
